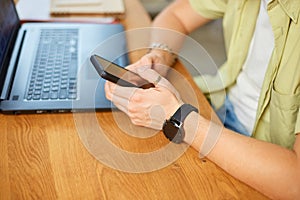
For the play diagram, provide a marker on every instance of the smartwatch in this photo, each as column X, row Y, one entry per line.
column 173, row 127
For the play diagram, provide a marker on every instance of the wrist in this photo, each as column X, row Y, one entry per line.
column 201, row 133
column 165, row 52
column 173, row 128
column 195, row 127
column 173, row 109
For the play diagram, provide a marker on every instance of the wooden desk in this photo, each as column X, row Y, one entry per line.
column 42, row 157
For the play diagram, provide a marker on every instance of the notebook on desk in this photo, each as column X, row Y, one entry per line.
column 44, row 66
column 82, row 7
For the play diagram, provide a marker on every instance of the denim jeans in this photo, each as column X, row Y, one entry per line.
column 229, row 119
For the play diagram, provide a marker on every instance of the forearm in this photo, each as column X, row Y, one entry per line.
column 172, row 25
column 181, row 17
column 169, row 30
column 269, row 168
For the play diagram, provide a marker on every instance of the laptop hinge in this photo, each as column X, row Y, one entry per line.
column 9, row 79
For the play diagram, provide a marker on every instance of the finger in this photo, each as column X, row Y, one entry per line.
column 122, row 96
column 139, row 116
column 108, row 88
column 147, row 73
column 132, row 67
column 112, row 89
column 141, row 63
column 121, row 105
column 154, row 77
column 122, row 99
column 124, row 92
column 147, row 59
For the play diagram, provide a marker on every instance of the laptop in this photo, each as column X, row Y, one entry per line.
column 45, row 67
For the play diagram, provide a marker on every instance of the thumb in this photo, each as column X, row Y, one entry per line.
column 148, row 74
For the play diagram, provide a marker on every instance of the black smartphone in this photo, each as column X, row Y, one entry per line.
column 117, row 74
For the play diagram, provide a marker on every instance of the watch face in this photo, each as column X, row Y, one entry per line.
column 173, row 132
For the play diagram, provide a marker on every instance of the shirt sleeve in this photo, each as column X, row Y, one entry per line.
column 297, row 128
column 210, row 9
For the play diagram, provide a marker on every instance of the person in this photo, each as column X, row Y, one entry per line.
column 261, row 77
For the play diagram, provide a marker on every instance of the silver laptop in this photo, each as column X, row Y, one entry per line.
column 44, row 67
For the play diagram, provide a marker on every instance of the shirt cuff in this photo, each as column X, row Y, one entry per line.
column 297, row 127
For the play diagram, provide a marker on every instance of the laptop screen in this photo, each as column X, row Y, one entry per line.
column 9, row 24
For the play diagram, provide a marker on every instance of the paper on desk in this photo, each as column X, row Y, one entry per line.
column 76, row 2
column 100, row 7
column 29, row 13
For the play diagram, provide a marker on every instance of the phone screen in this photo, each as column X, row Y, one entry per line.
column 117, row 74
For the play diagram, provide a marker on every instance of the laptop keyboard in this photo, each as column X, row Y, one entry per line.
column 54, row 74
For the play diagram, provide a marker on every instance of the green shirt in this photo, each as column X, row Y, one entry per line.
column 278, row 113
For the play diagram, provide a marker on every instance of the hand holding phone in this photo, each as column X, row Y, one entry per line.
column 117, row 74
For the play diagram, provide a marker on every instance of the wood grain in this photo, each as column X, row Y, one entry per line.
column 42, row 157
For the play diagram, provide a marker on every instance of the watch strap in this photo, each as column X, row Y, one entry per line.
column 183, row 111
